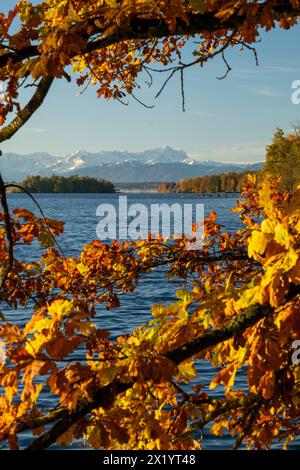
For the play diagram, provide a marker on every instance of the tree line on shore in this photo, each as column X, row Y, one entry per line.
column 72, row 184
column 230, row 182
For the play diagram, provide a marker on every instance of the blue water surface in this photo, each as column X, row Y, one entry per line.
column 78, row 211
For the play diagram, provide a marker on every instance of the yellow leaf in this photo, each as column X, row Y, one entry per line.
column 61, row 308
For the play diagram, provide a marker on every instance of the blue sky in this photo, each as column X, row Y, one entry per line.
column 230, row 120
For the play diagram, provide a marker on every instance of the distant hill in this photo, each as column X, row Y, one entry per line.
column 161, row 165
column 136, row 172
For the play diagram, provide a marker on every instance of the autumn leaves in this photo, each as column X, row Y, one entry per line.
column 235, row 311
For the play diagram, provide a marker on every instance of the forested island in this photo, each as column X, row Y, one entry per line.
column 72, row 184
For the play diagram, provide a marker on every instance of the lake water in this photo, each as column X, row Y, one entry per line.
column 78, row 211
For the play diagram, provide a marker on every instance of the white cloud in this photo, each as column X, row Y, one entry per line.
column 266, row 92
column 279, row 68
column 246, row 72
column 243, row 152
column 200, row 113
column 36, row 130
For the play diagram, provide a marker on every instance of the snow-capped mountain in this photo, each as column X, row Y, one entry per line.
column 15, row 167
column 82, row 159
column 156, row 165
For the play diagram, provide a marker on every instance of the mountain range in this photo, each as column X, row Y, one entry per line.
column 163, row 164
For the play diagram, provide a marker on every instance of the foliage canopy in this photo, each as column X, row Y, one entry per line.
column 110, row 43
column 283, row 159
